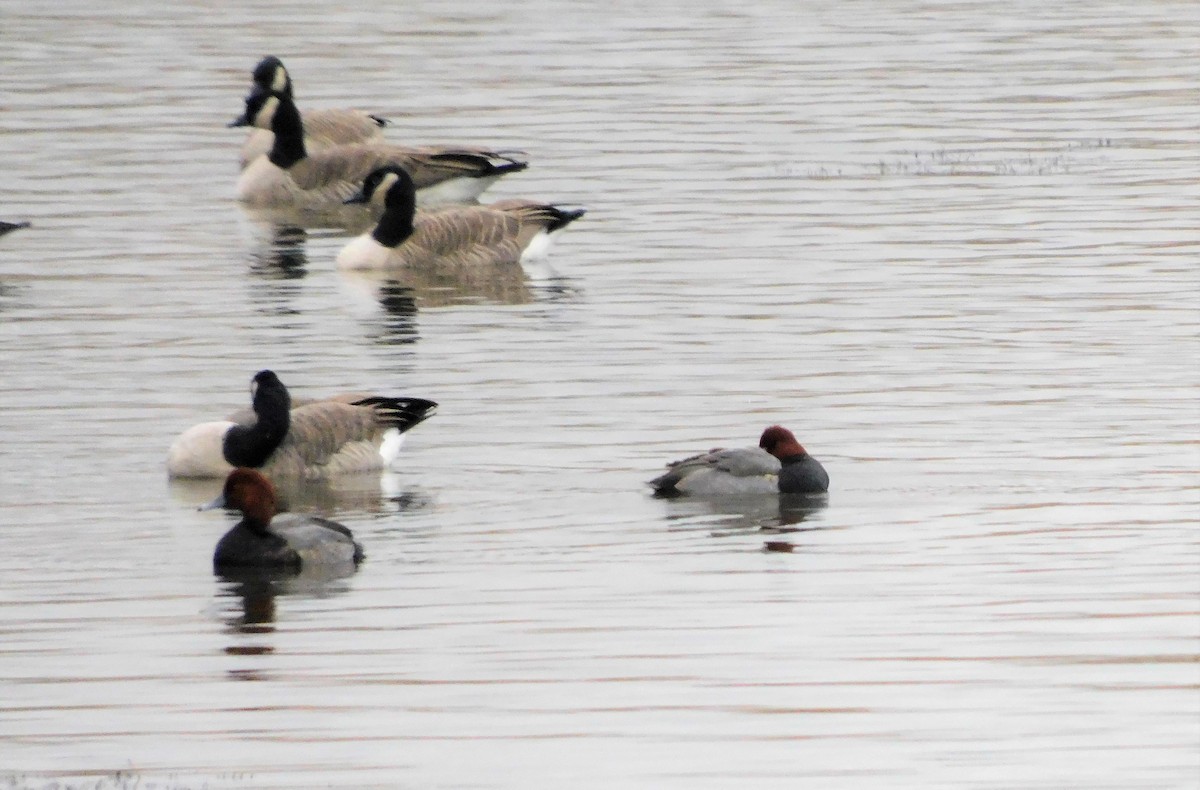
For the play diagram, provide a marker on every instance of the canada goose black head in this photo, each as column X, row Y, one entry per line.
column 270, row 75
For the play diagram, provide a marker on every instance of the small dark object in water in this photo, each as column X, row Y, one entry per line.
column 9, row 227
column 779, row 545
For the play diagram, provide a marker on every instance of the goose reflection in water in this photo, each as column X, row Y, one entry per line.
column 340, row 219
column 282, row 255
column 370, row 493
column 434, row 286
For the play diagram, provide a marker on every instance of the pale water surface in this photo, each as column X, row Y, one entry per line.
column 952, row 244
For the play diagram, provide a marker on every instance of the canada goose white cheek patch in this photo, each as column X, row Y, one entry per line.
column 264, row 117
column 387, row 182
column 280, row 81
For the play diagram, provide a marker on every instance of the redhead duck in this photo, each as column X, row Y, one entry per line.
column 322, row 128
column 290, row 177
column 346, row 433
column 779, row 465
column 451, row 237
column 266, row 539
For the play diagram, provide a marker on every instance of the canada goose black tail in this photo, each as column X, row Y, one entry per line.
column 485, row 163
column 380, row 122
column 401, row 413
column 564, row 217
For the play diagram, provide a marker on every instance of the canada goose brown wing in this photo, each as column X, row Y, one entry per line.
column 533, row 217
column 337, row 173
column 463, row 236
column 339, row 170
column 325, row 128
column 430, row 165
column 246, row 416
column 329, row 434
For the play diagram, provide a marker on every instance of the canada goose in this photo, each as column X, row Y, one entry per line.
column 507, row 231
column 347, row 433
column 9, row 227
column 322, row 128
column 779, row 465
column 265, row 538
column 290, row 177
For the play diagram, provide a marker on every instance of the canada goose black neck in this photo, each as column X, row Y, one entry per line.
column 252, row 445
column 400, row 206
column 288, row 148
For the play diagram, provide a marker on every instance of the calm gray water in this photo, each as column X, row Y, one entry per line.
column 952, row 245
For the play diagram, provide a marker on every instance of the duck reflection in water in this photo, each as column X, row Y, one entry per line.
column 255, row 591
column 777, row 514
column 249, row 609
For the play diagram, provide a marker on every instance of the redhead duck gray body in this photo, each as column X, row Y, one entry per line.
column 342, row 434
column 265, row 538
column 779, row 465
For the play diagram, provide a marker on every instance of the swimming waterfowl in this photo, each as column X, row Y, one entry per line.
column 779, row 465
column 507, row 231
column 265, row 538
column 322, row 128
column 9, row 227
column 346, row 433
column 289, row 176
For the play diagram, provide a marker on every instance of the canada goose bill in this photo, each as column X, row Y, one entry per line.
column 289, row 176
column 451, row 237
